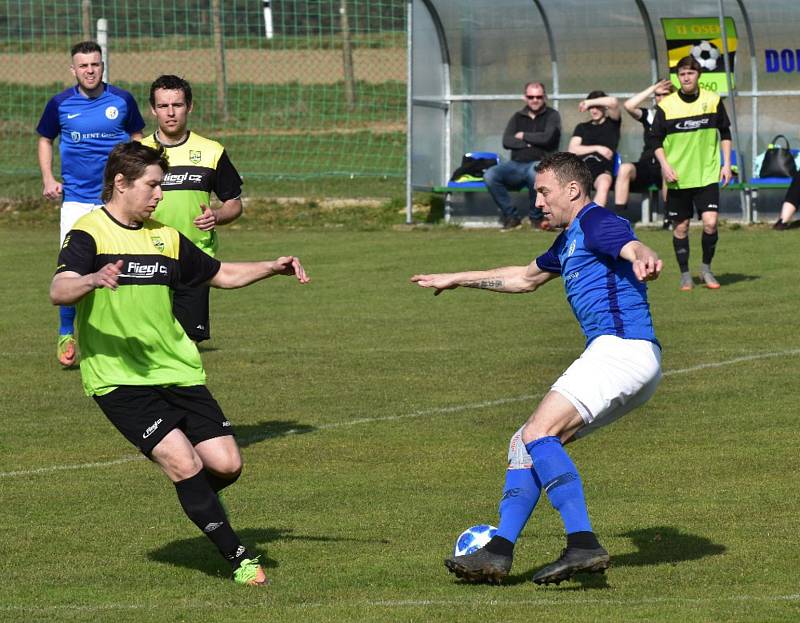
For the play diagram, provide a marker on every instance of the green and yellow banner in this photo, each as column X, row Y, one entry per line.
column 701, row 37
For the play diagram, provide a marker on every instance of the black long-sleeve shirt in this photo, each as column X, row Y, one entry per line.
column 541, row 134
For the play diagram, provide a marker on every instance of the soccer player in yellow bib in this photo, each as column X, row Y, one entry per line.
column 197, row 167
column 690, row 128
column 118, row 267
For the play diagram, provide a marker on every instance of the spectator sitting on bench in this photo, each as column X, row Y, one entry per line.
column 639, row 176
column 790, row 203
column 531, row 134
column 595, row 141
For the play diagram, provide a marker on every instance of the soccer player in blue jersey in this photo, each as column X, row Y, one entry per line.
column 89, row 119
column 603, row 267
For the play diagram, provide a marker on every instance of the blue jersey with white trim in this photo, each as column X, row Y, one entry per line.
column 602, row 289
column 88, row 128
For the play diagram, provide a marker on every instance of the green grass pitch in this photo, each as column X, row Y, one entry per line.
column 375, row 420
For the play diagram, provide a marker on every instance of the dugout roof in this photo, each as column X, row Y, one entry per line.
column 469, row 60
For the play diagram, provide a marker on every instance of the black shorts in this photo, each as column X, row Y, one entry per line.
column 190, row 306
column 598, row 165
column 648, row 173
column 682, row 202
column 145, row 414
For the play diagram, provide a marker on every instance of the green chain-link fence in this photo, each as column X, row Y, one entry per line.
column 318, row 108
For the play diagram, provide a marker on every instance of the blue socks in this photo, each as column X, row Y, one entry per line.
column 67, row 315
column 561, row 482
column 520, row 495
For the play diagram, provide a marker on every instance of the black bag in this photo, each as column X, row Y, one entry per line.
column 474, row 165
column 778, row 162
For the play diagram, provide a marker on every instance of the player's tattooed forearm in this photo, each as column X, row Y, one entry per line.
column 486, row 284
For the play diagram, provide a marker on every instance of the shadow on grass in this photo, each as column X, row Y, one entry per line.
column 664, row 544
column 249, row 434
column 200, row 554
column 726, row 279
column 436, row 212
column 655, row 546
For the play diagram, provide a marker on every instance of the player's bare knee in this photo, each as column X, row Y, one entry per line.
column 233, row 469
column 533, row 430
column 181, row 469
column 228, row 466
column 681, row 229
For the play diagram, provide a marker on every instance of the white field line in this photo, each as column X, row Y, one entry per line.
column 390, row 418
column 390, row 604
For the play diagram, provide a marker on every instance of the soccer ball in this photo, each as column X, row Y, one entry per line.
column 707, row 54
column 473, row 539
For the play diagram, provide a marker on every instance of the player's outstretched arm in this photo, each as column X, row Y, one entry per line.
column 646, row 264
column 509, row 279
column 240, row 274
column 69, row 287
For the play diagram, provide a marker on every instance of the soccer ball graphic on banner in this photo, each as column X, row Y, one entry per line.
column 473, row 539
column 707, row 54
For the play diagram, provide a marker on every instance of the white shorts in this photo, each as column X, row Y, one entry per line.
column 71, row 211
column 612, row 377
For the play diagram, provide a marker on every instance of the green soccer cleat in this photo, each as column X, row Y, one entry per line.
column 66, row 352
column 250, row 573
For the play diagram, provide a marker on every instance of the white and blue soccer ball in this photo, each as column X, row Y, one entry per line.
column 707, row 54
column 473, row 539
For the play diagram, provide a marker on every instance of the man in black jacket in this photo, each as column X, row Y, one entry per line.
column 531, row 134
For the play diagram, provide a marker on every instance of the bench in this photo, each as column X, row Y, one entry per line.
column 479, row 187
column 650, row 197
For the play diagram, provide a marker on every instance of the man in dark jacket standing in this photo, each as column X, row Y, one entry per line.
column 531, row 134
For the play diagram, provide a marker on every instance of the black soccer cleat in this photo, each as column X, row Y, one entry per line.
column 573, row 560
column 480, row 566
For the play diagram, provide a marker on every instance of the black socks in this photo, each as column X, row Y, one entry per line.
column 681, row 246
column 500, row 546
column 202, row 506
column 709, row 242
column 583, row 540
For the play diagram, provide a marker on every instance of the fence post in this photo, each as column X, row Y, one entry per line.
column 86, row 19
column 267, row 18
column 102, row 41
column 347, row 58
column 219, row 58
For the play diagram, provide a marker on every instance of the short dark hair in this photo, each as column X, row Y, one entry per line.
column 595, row 94
column 535, row 84
column 130, row 159
column 567, row 168
column 85, row 47
column 691, row 62
column 170, row 83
